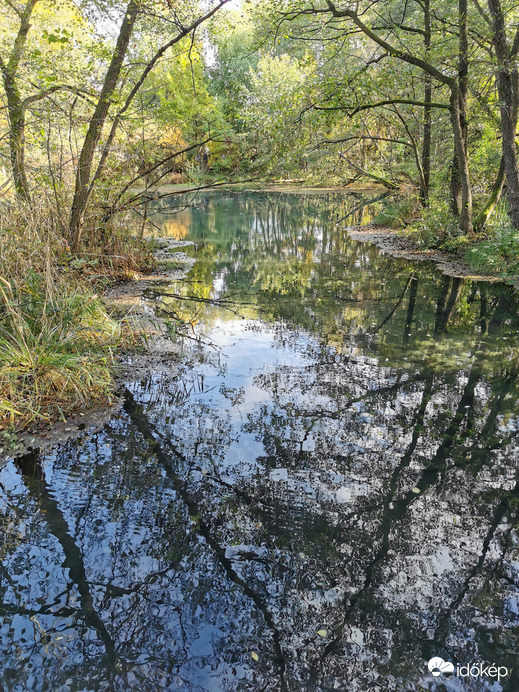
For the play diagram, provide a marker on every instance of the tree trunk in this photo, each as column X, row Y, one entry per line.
column 15, row 107
column 16, row 114
column 508, row 130
column 493, row 199
column 461, row 202
column 460, row 150
column 426, row 145
column 83, row 187
column 507, row 89
column 455, row 186
column 427, row 113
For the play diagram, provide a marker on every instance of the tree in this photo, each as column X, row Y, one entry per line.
column 15, row 104
column 237, row 51
column 33, row 70
column 435, row 48
column 83, row 186
column 272, row 106
column 85, row 179
column 507, row 87
column 457, row 86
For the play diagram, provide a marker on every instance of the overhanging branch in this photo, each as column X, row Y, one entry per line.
column 387, row 102
column 51, row 90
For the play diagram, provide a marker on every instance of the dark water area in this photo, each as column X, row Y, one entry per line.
column 321, row 496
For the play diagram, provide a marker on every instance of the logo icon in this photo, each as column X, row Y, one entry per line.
column 437, row 666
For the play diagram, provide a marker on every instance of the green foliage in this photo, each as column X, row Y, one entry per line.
column 397, row 213
column 236, row 58
column 181, row 97
column 271, row 113
column 497, row 255
column 436, row 227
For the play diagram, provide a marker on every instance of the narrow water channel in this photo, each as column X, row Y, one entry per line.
column 322, row 496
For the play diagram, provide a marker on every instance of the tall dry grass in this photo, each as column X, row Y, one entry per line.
column 57, row 339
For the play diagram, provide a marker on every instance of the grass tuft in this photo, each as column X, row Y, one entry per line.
column 397, row 213
column 497, row 255
column 56, row 349
column 57, row 340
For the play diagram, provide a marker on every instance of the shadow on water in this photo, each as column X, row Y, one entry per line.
column 324, row 499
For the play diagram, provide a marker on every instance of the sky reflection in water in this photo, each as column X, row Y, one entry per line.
column 341, row 461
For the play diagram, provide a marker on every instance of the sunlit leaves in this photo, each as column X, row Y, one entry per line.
column 58, row 36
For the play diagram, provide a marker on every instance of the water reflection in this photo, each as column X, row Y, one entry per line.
column 332, row 486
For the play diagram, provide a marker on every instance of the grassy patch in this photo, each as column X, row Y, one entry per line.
column 56, row 350
column 497, row 255
column 436, row 228
column 57, row 339
column 397, row 213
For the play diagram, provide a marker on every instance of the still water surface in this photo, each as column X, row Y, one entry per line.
column 324, row 499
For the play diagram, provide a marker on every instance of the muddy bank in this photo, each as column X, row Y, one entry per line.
column 391, row 242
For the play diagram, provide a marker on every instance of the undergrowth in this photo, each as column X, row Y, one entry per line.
column 435, row 227
column 397, row 213
column 57, row 338
column 497, row 255
column 56, row 350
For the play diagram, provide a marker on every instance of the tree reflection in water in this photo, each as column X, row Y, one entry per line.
column 343, row 464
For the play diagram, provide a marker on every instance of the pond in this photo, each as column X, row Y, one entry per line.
column 322, row 495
